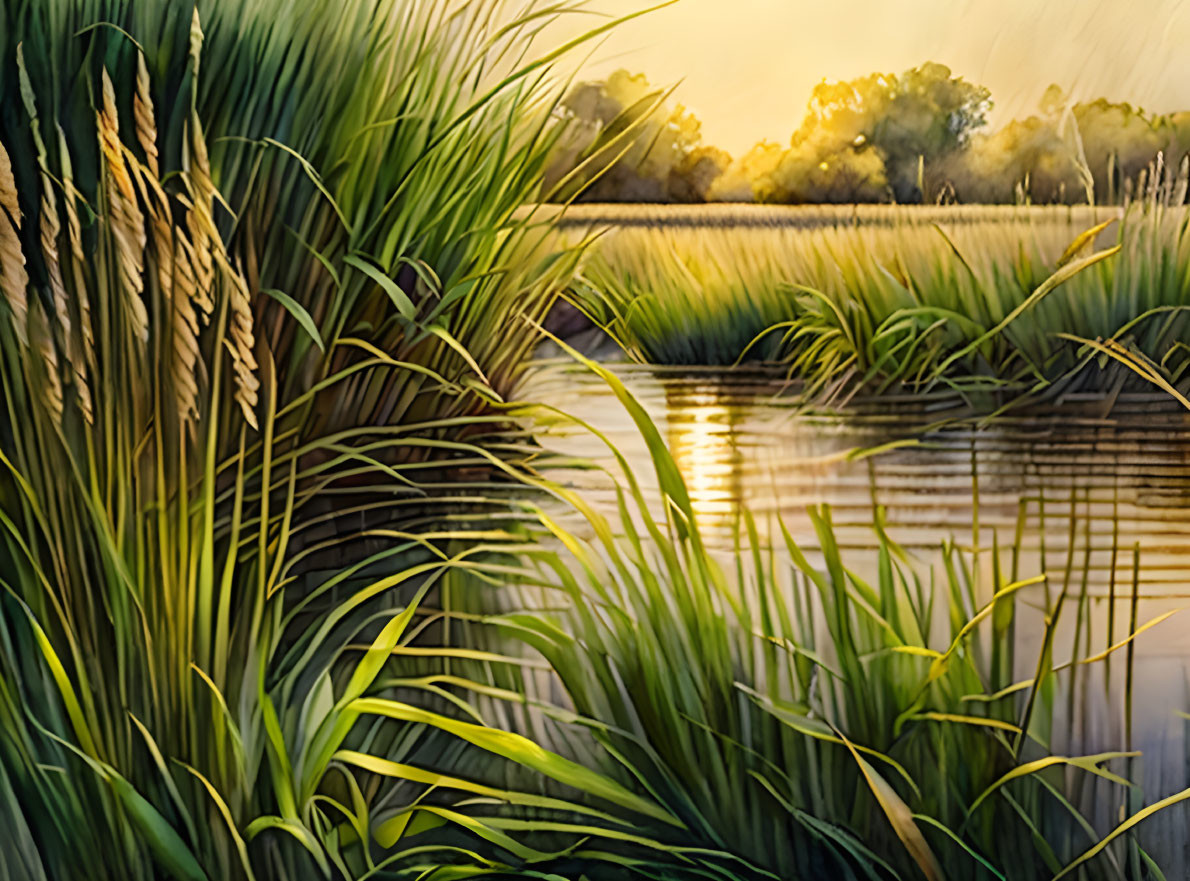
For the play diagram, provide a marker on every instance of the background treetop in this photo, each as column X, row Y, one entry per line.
column 918, row 136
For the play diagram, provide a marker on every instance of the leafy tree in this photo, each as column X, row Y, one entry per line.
column 751, row 177
column 1070, row 153
column 1025, row 161
column 692, row 179
column 831, row 157
column 1119, row 141
column 624, row 143
column 913, row 137
column 931, row 114
column 868, row 139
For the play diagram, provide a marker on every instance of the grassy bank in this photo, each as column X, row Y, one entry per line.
column 261, row 279
column 984, row 302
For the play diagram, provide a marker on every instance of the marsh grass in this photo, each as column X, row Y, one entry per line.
column 894, row 297
column 805, row 718
column 262, row 284
column 264, row 288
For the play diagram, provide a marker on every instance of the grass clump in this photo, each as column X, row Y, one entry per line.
column 265, row 286
column 976, row 299
column 262, row 281
column 804, row 718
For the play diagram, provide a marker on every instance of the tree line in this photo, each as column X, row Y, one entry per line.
column 916, row 137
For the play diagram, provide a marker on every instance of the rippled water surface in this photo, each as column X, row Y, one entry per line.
column 741, row 441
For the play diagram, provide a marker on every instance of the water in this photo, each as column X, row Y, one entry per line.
column 1098, row 485
column 742, row 441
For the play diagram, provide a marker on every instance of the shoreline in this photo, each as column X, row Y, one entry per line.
column 733, row 214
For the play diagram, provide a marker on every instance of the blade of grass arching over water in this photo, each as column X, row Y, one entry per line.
column 669, row 478
column 1133, row 361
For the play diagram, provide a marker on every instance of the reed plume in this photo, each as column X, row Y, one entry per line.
column 126, row 222
column 13, row 278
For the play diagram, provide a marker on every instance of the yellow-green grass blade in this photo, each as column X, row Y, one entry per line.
column 519, row 749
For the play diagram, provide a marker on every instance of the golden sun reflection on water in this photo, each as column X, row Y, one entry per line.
column 702, row 437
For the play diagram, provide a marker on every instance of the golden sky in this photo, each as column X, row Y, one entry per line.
column 746, row 67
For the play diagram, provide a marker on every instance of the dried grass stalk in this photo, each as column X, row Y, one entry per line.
column 200, row 219
column 13, row 278
column 8, row 188
column 126, row 221
column 173, row 259
column 240, row 340
column 51, row 388
column 184, row 324
column 74, row 233
column 146, row 125
column 51, row 228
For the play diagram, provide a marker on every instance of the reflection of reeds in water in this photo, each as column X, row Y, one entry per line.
column 737, row 446
column 1031, row 498
column 1068, row 524
column 1130, row 479
column 733, row 680
column 976, row 691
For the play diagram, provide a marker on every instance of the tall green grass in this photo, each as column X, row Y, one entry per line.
column 977, row 299
column 803, row 718
column 262, row 281
column 265, row 285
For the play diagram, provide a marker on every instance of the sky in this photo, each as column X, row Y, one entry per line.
column 746, row 67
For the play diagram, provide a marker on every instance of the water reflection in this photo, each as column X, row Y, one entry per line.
column 740, row 443
column 701, row 432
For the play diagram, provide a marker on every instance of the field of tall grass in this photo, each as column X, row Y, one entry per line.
column 261, row 283
column 284, row 593
column 983, row 300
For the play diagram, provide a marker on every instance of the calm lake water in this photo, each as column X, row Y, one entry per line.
column 1115, row 479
